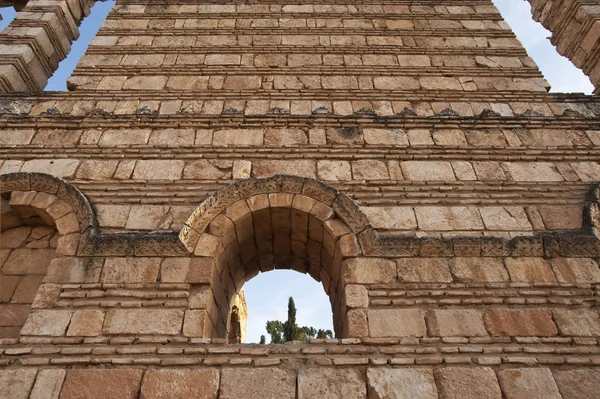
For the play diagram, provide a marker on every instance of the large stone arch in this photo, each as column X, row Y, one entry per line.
column 32, row 196
column 283, row 222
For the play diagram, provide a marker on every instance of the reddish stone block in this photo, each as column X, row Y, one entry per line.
column 456, row 323
column 16, row 383
column 257, row 383
column 397, row 323
column 467, row 383
column 520, row 322
column 534, row 383
column 331, row 383
column 180, row 383
column 579, row 383
column 577, row 322
column 99, row 383
column 529, row 270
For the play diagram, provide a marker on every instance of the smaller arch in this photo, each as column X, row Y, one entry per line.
column 38, row 198
column 283, row 222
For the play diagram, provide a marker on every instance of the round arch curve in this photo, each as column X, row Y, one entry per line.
column 282, row 222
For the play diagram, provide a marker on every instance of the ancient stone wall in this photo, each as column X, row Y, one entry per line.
column 405, row 154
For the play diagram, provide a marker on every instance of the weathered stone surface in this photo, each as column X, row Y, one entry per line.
column 424, row 270
column 467, row 383
column 478, row 270
column 257, row 383
column 520, row 322
column 48, row 384
column 331, row 383
column 529, row 270
column 532, row 383
column 456, row 323
column 180, row 383
column 16, row 383
column 384, row 383
column 448, row 218
column 427, row 170
column 99, row 383
column 578, row 383
column 24, row 261
column 158, row 170
column 391, row 217
column 577, row 322
column 576, row 270
column 86, row 323
column 397, row 323
column 130, row 270
column 369, row 270
column 143, row 321
column 357, row 296
column 47, row 322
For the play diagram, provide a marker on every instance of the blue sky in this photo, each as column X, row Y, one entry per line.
column 267, row 294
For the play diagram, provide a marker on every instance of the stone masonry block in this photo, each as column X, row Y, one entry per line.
column 520, row 322
column 578, row 383
column 405, row 382
column 576, row 270
column 532, row 383
column 130, row 270
column 424, row 270
column 102, row 383
column 357, row 296
column 143, row 321
column 47, row 323
column 369, row 270
column 86, row 323
column 467, row 383
column 577, row 322
column 48, row 384
column 478, row 270
column 331, row 383
column 180, row 383
column 16, row 383
column 257, row 383
column 456, row 323
column 397, row 323
column 529, row 270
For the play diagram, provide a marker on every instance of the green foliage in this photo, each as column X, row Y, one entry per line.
column 290, row 331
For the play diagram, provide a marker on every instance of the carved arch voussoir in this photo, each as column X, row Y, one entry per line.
column 342, row 205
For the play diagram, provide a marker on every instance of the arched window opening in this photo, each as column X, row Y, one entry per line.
column 267, row 300
column 563, row 76
column 28, row 242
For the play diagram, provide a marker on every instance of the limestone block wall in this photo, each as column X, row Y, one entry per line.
column 406, row 155
column 575, row 31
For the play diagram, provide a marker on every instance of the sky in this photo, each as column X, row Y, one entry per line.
column 267, row 294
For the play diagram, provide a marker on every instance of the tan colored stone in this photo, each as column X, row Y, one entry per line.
column 143, row 321
column 531, row 383
column 13, row 315
column 424, row 270
column 456, row 323
column 14, row 238
column 478, row 270
column 180, row 383
column 331, row 383
column 158, row 170
column 520, row 322
column 193, row 324
column 130, row 270
column 102, row 383
column 97, row 170
column 74, row 270
column 356, row 296
column 561, row 217
column 369, row 270
column 27, row 289
column 257, row 383
column 16, row 383
column 48, row 384
column 47, row 322
column 533, row 171
column 334, row 170
column 577, row 322
column 529, row 270
column 578, row 383
column 86, row 323
column 124, row 137
column 397, row 323
column 510, row 218
column 576, row 270
column 467, row 383
column 269, row 168
column 427, row 171
column 394, row 137
column 368, row 169
column 391, row 217
column 208, row 169
column 405, row 383
column 438, row 218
